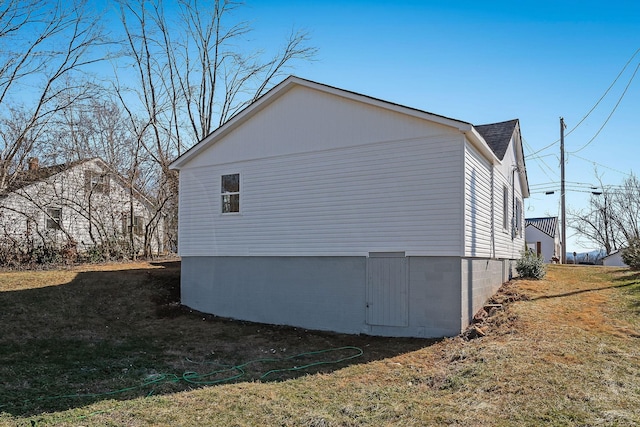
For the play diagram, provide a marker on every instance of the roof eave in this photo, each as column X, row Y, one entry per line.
column 522, row 168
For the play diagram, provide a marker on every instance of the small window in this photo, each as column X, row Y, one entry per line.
column 231, row 193
column 518, row 215
column 505, row 208
column 96, row 182
column 54, row 216
column 30, row 227
column 138, row 224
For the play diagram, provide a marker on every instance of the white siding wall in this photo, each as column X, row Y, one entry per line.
column 325, row 175
column 390, row 196
column 547, row 243
column 304, row 120
column 614, row 260
column 507, row 246
column 478, row 205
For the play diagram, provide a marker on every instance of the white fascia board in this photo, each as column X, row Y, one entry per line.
column 522, row 171
column 481, row 145
column 522, row 167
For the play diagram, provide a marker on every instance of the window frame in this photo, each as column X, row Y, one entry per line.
column 505, row 208
column 30, row 226
column 96, row 182
column 53, row 218
column 224, row 194
column 518, row 218
column 137, row 224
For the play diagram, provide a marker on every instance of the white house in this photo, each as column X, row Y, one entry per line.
column 614, row 259
column 326, row 209
column 543, row 238
column 82, row 203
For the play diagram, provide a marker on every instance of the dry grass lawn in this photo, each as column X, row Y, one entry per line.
column 107, row 345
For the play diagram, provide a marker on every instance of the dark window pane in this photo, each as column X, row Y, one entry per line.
column 53, row 218
column 138, row 225
column 231, row 203
column 231, row 183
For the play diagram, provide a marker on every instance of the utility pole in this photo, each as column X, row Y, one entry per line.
column 562, row 198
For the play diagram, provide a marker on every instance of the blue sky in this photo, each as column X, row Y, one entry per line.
column 485, row 62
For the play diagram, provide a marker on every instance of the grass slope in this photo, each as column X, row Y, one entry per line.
column 562, row 351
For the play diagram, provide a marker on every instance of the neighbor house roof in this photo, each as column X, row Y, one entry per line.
column 614, row 252
column 548, row 225
column 31, row 176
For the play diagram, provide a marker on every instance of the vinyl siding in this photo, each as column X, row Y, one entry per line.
column 305, row 120
column 478, row 205
column 506, row 246
column 402, row 195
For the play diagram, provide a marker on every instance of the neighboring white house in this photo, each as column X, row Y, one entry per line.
column 82, row 203
column 614, row 259
column 326, row 209
column 543, row 238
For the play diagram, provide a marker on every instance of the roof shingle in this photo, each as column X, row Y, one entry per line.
column 498, row 135
column 28, row 177
column 548, row 225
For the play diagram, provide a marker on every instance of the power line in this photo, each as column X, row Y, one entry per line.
column 533, row 157
column 606, row 92
column 545, row 147
column 600, row 164
column 542, row 184
column 611, row 114
column 595, row 105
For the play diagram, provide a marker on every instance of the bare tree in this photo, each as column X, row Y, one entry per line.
column 612, row 218
column 626, row 205
column 187, row 73
column 192, row 74
column 596, row 223
column 44, row 46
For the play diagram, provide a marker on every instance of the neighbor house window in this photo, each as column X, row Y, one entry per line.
column 505, row 208
column 96, row 182
column 30, row 226
column 231, row 193
column 54, row 216
column 137, row 226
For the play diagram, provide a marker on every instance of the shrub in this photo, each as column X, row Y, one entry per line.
column 531, row 266
column 631, row 254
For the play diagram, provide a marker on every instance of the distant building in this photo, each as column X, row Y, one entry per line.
column 543, row 238
column 614, row 259
column 83, row 204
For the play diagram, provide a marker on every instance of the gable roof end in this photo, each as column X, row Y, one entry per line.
column 292, row 81
column 498, row 136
